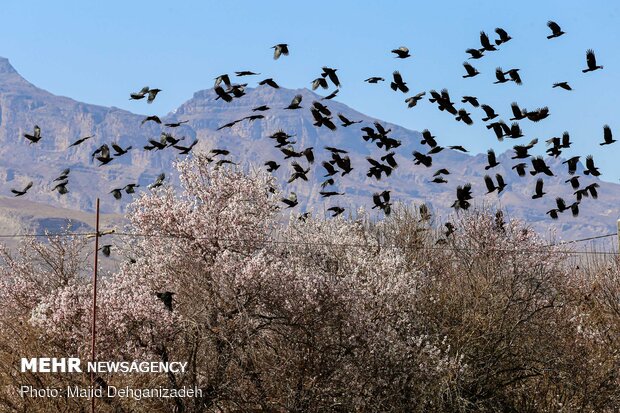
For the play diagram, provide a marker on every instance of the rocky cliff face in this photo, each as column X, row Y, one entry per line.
column 63, row 120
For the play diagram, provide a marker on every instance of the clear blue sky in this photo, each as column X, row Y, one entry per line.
column 97, row 52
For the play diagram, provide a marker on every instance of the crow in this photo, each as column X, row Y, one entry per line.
column 36, row 135
column 279, row 50
column 271, row 166
column 572, row 164
column 471, row 71
column 500, row 129
column 261, row 108
column 538, row 114
column 335, row 150
column 439, row 180
column 428, row 139
column 520, row 168
column 561, row 204
column 237, row 90
column 472, row 100
column 521, row 151
column 401, row 53
column 153, row 118
column 463, row 115
column 106, row 249
column 539, row 165
column 295, row 103
column 229, row 124
column 592, row 189
column 591, row 62
column 442, row 171
column 501, row 76
column 492, row 161
column 246, row 73
column 63, row 175
column 389, row 159
column 374, row 79
column 336, row 211
column 475, row 53
column 555, row 29
column 346, row 122
column 331, row 74
column 319, row 82
column 565, row 140
column 382, row 201
column 503, row 36
column 486, row 44
column 81, row 140
column 222, row 79
column 139, row 95
column 331, row 95
column 517, row 112
column 252, row 118
column 607, row 136
column 159, row 181
column 321, row 108
column 574, row 181
column 398, row 83
column 61, row 187
column 152, row 94
column 449, row 229
column 514, row 76
column 222, row 152
column 563, row 85
column 435, row 150
column 291, row 201
column 458, row 148
column 117, row 193
column 553, row 213
column 23, row 191
column 222, row 94
column 184, row 150
column 590, row 168
column 490, row 113
column 420, row 158
column 269, row 82
column 327, row 194
column 329, row 168
column 539, row 189
column 344, row 164
column 488, row 181
column 463, row 195
column 327, row 182
column 299, row 172
column 130, row 188
column 413, row 100
column 175, row 124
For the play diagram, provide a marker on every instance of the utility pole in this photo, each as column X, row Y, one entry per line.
column 94, row 318
column 618, row 235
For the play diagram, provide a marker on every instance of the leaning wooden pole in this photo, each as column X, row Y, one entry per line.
column 94, row 317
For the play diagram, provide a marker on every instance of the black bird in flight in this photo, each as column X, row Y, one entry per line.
column 271, row 166
column 503, row 36
column 398, row 83
column 501, row 76
column 374, row 79
column 491, row 160
column 120, row 151
column 36, row 135
column 555, row 29
column 463, row 116
column 591, row 62
column 222, row 94
column 572, row 164
column 607, row 136
column 139, row 95
column 269, row 82
column 331, row 95
column 472, row 100
column 336, row 211
column 514, row 76
column 420, row 158
column 130, row 188
column 279, row 50
column 159, row 181
column 166, row 298
column 261, row 108
column 382, row 201
column 401, row 53
column 489, row 111
column 471, row 71
column 520, row 168
column 175, row 124
column 517, row 112
column 475, row 53
column 574, row 181
column 23, row 191
column 590, row 168
column 222, row 79
column 152, row 94
column 413, row 100
column 153, row 118
column 463, row 196
column 491, row 185
column 331, row 74
column 319, row 82
column 246, row 73
column 184, row 150
column 81, row 140
column 61, row 187
column 291, row 201
column 63, row 175
column 539, row 189
column 539, row 165
column 486, row 44
column 563, row 85
column 346, row 122
column 295, row 103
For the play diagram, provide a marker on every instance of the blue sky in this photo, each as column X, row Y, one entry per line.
column 99, row 52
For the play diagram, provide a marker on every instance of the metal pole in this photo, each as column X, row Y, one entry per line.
column 618, row 233
column 94, row 318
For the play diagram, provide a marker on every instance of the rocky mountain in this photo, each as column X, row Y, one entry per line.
column 63, row 120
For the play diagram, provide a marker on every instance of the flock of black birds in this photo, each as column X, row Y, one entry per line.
column 339, row 164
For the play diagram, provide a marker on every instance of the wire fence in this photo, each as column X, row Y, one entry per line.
column 268, row 240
